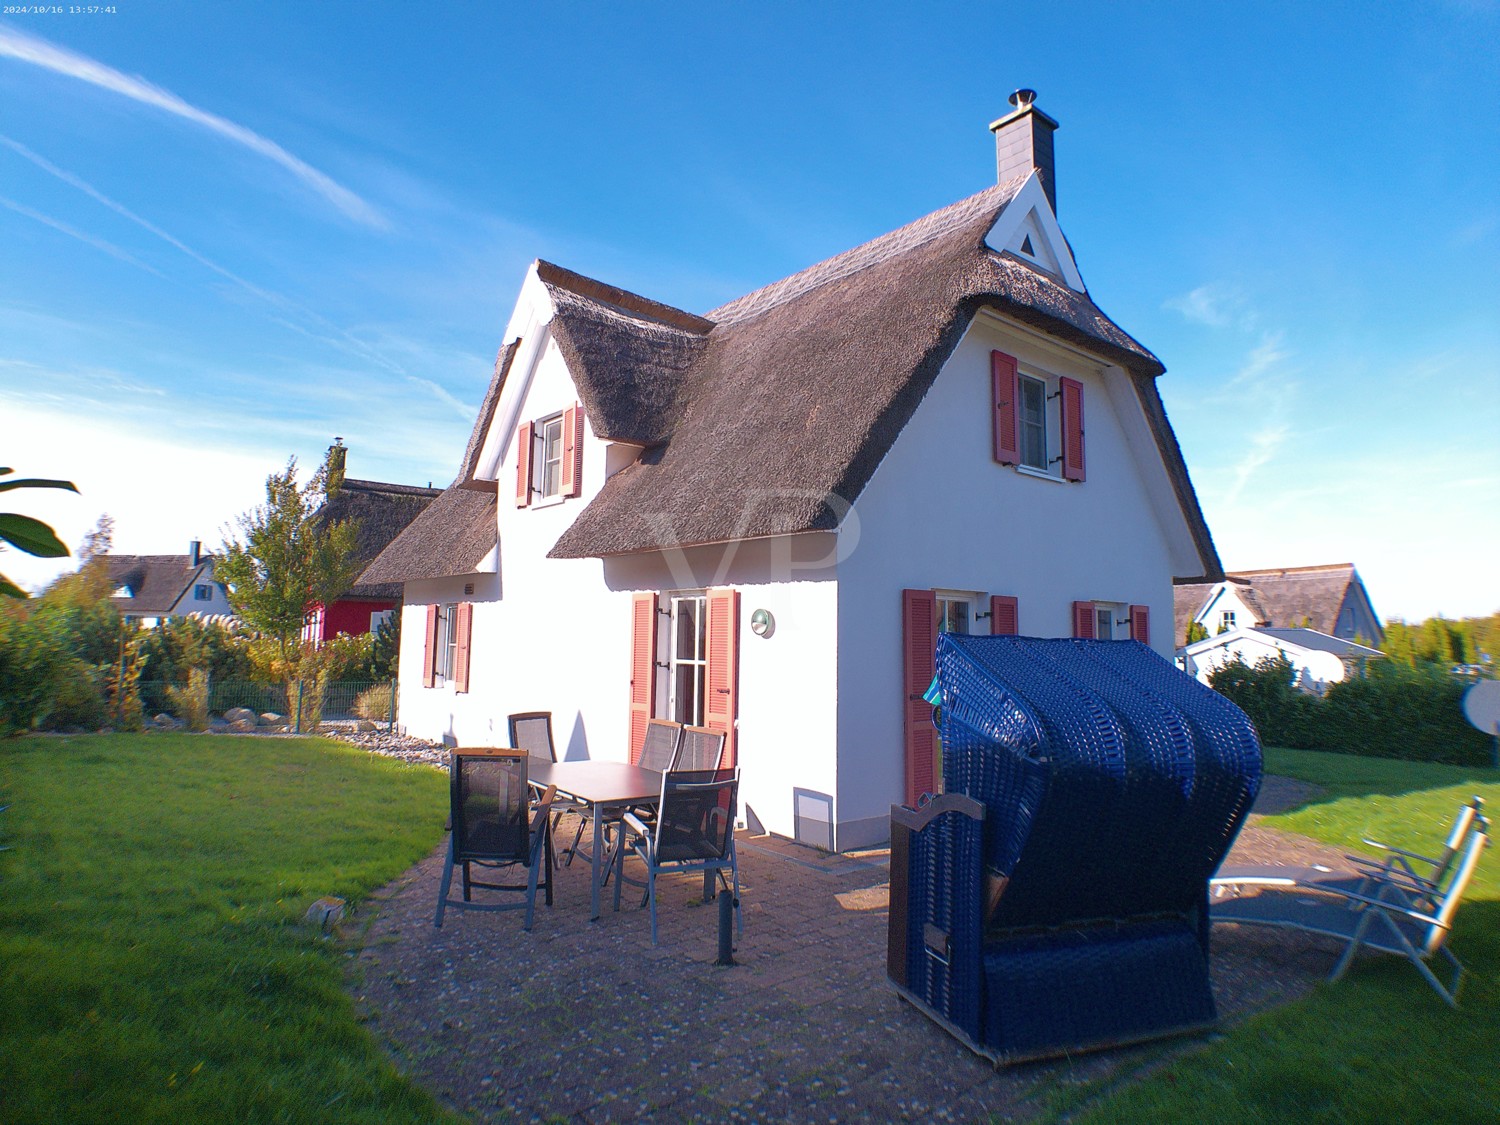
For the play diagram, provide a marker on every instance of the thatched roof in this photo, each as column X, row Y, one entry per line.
column 759, row 415
column 769, row 415
column 156, row 582
column 1284, row 597
column 451, row 536
column 383, row 511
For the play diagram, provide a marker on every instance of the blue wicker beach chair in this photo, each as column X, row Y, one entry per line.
column 1054, row 897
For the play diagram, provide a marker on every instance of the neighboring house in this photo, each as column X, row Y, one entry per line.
column 151, row 588
column 1318, row 660
column 759, row 519
column 1331, row 599
column 383, row 511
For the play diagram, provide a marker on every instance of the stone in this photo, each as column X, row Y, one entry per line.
column 271, row 718
column 162, row 719
column 244, row 726
column 365, row 725
column 240, row 714
column 326, row 912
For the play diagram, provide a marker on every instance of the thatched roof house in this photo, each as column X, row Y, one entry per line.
column 1330, row 598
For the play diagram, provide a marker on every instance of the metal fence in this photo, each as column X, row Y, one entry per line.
column 299, row 705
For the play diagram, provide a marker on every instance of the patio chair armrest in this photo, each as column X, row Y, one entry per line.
column 1389, row 907
column 1395, row 870
column 635, row 823
column 1399, row 851
column 542, row 809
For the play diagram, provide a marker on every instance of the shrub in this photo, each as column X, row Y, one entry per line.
column 1398, row 711
column 1393, row 711
column 374, row 703
column 191, row 702
column 29, row 669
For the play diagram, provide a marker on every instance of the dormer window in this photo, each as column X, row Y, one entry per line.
column 548, row 451
column 123, row 592
column 549, row 458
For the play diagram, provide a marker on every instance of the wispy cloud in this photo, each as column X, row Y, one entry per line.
column 1264, row 445
column 1264, row 360
column 73, row 232
column 120, row 209
column 1217, row 304
column 38, row 52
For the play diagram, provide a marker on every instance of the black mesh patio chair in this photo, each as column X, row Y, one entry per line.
column 659, row 747
column 496, row 825
column 532, row 731
column 702, row 749
column 693, row 831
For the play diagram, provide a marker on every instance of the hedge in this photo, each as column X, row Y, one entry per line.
column 1393, row 711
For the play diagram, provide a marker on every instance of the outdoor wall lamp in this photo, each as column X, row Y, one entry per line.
column 762, row 624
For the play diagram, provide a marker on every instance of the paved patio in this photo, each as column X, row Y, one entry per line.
column 586, row 1022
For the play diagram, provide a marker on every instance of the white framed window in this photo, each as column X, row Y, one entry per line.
column 687, row 659
column 955, row 612
column 203, row 592
column 1226, row 621
column 547, row 452
column 1033, row 424
column 378, row 619
column 445, row 653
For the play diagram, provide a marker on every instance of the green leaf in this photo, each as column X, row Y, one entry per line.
column 32, row 536
column 36, row 482
column 10, row 590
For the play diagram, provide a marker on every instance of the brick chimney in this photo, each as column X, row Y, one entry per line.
column 337, row 455
column 1023, row 141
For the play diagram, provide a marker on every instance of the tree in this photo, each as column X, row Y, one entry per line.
column 1196, row 631
column 29, row 535
column 287, row 559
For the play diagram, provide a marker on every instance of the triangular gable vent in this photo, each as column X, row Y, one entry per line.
column 1028, row 229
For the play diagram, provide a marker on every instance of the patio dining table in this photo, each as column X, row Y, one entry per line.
column 602, row 786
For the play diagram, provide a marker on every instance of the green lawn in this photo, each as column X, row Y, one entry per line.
column 153, row 963
column 1378, row 1046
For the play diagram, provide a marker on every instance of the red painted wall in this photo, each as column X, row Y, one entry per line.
column 348, row 617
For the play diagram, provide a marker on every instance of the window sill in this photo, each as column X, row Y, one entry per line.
column 549, row 501
column 1028, row 471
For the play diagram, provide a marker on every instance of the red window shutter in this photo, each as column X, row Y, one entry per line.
column 919, row 650
column 722, row 707
column 464, row 626
column 1005, row 391
column 572, row 459
column 429, row 653
column 1083, row 620
column 1072, row 428
column 524, row 434
column 642, row 669
column 1140, row 624
column 1005, row 616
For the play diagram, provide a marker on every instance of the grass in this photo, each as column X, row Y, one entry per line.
column 1378, row 1046
column 153, row 961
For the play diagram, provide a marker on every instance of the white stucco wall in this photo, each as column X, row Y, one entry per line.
column 941, row 513
column 554, row 634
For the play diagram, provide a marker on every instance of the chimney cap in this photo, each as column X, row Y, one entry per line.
column 1024, row 101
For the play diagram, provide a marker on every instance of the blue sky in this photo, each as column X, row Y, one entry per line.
column 231, row 232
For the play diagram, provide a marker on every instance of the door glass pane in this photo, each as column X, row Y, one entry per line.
column 1104, row 626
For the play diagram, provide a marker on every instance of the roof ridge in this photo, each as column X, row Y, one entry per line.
column 354, row 484
column 1282, row 570
column 903, row 239
column 632, row 303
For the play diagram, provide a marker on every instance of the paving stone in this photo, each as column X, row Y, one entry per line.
column 585, row 1022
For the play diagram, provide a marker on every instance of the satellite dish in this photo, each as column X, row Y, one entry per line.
column 1482, row 706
